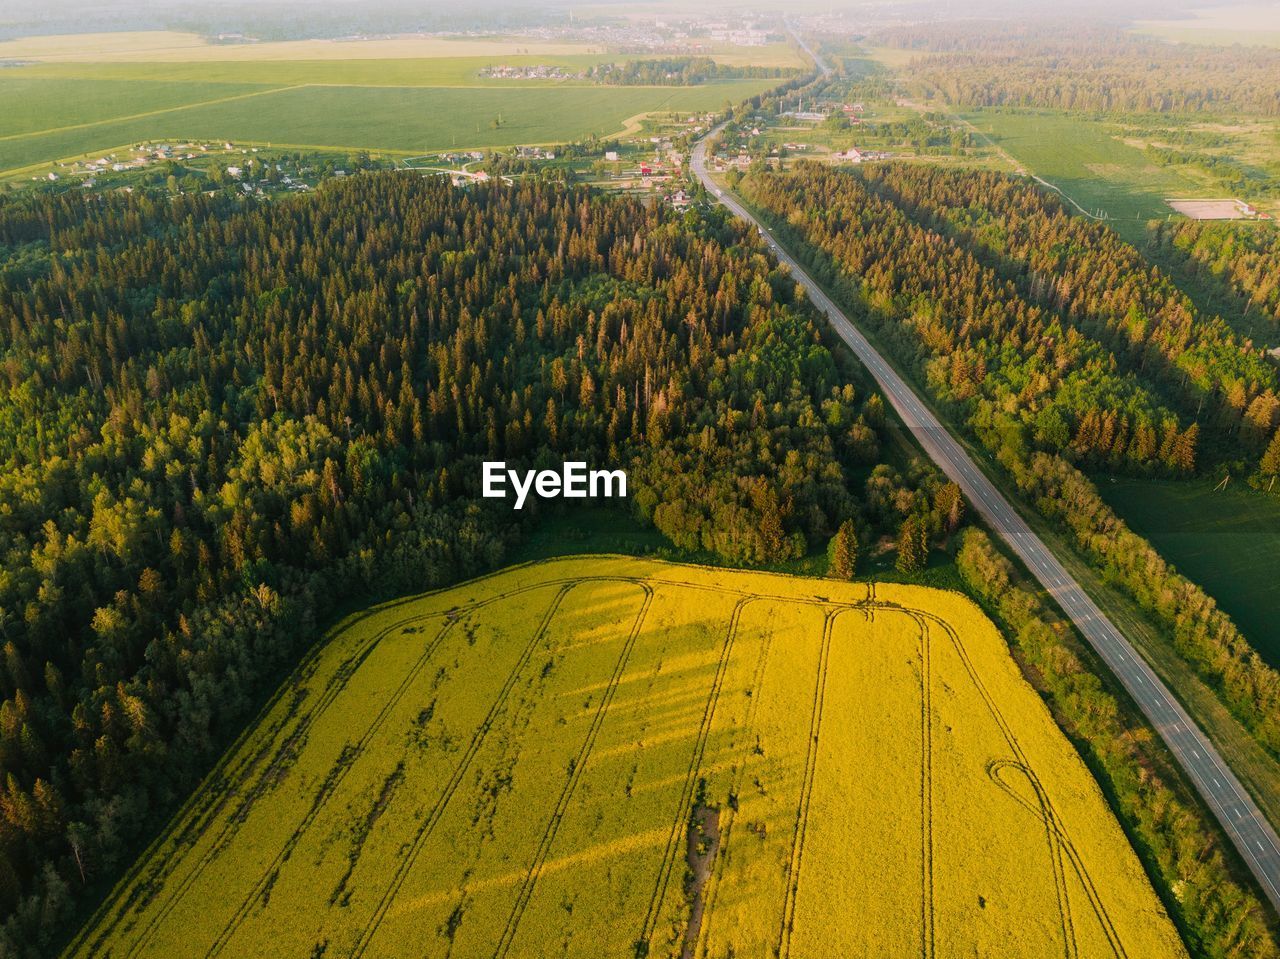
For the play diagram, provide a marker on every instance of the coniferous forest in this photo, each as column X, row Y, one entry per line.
column 1246, row 260
column 1047, row 329
column 225, row 418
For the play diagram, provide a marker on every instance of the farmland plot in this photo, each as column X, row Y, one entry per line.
column 615, row 757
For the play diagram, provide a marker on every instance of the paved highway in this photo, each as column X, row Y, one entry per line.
column 1222, row 792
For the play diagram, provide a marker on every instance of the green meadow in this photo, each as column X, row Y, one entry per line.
column 64, row 111
column 1087, row 162
column 1226, row 541
column 31, row 105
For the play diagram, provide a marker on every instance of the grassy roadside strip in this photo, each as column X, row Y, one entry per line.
column 1178, row 842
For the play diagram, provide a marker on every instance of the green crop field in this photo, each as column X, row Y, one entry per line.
column 620, row 757
column 60, row 111
column 1226, row 541
column 1084, row 159
column 403, row 72
column 32, row 105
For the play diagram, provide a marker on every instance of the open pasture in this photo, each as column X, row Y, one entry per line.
column 1224, row 540
column 407, row 119
column 618, row 757
column 1086, row 160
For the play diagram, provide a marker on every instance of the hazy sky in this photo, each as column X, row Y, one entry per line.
column 334, row 17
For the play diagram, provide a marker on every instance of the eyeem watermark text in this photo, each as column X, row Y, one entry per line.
column 574, row 481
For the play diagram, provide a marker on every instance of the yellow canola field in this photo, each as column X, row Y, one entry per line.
column 606, row 756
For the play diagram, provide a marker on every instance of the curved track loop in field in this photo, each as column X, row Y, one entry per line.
column 1060, row 845
column 575, row 774
column 996, row 770
column 1059, row 839
column 680, row 823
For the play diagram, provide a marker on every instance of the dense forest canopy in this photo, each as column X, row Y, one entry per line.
column 1244, row 256
column 1046, row 329
column 1079, row 67
column 222, row 417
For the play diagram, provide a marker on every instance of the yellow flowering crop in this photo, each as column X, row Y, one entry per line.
column 604, row 757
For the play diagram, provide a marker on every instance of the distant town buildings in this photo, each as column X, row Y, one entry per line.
column 536, row 72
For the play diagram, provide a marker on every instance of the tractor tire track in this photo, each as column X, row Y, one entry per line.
column 927, row 911
column 337, row 683
column 1067, row 856
column 681, row 821
column 1082, row 873
column 806, row 790
column 1053, row 839
column 442, row 801
column 346, row 762
column 566, row 794
column 201, row 811
column 713, row 884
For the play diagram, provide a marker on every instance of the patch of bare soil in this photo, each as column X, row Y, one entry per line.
column 702, row 844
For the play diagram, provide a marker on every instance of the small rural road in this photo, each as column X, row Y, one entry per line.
column 818, row 62
column 1222, row 792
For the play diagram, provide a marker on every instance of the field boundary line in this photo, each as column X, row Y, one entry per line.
column 806, row 789
column 150, row 113
column 681, row 823
column 575, row 775
column 329, row 787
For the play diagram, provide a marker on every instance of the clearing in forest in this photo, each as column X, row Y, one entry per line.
column 618, row 757
column 1223, row 209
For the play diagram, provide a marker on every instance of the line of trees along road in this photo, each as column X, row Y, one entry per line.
column 1016, row 319
column 220, row 418
column 1219, row 916
column 679, row 71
